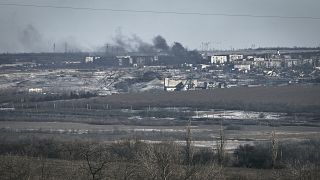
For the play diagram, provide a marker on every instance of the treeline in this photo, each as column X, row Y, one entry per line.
column 289, row 48
column 290, row 99
column 16, row 96
column 42, row 58
column 305, row 153
column 34, row 158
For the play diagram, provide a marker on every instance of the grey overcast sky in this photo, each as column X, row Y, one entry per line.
column 31, row 29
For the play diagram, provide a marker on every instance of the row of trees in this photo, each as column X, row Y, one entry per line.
column 133, row 159
column 121, row 160
column 17, row 96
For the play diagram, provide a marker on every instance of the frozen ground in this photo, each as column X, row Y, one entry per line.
column 66, row 80
column 205, row 136
column 235, row 114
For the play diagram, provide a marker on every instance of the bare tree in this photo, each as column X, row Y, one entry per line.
column 221, row 146
column 221, row 153
column 147, row 161
column 159, row 161
column 96, row 158
column 14, row 167
column 45, row 170
column 209, row 172
column 190, row 169
column 274, row 148
column 189, row 151
column 166, row 158
column 303, row 170
column 124, row 170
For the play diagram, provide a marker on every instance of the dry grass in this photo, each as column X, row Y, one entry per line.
column 281, row 99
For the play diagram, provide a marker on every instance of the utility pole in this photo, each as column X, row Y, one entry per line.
column 189, row 153
column 107, row 48
column 65, row 47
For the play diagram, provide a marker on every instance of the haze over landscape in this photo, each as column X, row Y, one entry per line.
column 36, row 29
column 160, row 90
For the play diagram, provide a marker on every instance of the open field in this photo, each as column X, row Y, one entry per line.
column 248, row 115
column 65, row 169
column 279, row 99
column 61, row 129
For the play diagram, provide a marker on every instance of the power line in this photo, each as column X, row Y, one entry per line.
column 160, row 12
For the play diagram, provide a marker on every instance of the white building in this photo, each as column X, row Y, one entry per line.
column 218, row 59
column 35, row 90
column 89, row 59
column 233, row 57
column 242, row 67
column 292, row 62
column 258, row 59
column 179, row 84
column 274, row 63
column 203, row 66
column 250, row 57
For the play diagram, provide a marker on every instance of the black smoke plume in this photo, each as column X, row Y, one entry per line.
column 160, row 43
column 31, row 40
column 134, row 43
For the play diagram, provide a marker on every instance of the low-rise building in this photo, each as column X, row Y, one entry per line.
column 35, row 90
column 137, row 60
column 218, row 59
column 291, row 62
column 258, row 59
column 179, row 84
column 259, row 62
column 242, row 67
column 124, row 60
column 275, row 63
column 233, row 57
column 203, row 66
column 89, row 59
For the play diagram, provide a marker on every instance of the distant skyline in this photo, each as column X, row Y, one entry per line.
column 36, row 29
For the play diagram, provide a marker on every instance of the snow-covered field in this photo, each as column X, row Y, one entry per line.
column 204, row 136
column 236, row 114
column 66, row 80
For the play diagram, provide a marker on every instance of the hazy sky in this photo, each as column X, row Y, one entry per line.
column 26, row 29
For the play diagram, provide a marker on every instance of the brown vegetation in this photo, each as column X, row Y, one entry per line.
column 133, row 159
column 277, row 99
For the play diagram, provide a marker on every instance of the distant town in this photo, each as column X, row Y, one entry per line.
column 163, row 69
column 160, row 90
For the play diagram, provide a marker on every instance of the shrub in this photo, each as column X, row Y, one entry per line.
column 250, row 156
column 233, row 127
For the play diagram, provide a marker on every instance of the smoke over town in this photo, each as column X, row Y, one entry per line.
column 31, row 39
column 160, row 43
column 28, row 38
column 194, row 90
column 134, row 43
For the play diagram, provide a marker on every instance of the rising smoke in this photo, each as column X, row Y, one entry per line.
column 31, row 40
column 160, row 43
column 131, row 43
column 28, row 38
column 134, row 43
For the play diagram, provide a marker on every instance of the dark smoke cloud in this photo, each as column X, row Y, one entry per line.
column 31, row 40
column 132, row 43
column 122, row 41
column 142, row 46
column 69, row 44
column 160, row 43
column 19, row 38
